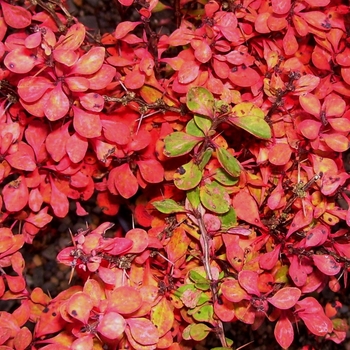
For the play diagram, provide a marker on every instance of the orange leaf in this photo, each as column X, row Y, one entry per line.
column 90, row 62
column 79, row 306
column 111, row 325
column 162, row 316
column 280, row 154
column 143, row 331
column 124, row 300
column 139, row 238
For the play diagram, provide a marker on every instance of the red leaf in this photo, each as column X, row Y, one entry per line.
column 268, row 260
column 102, row 77
column 35, row 200
column 15, row 194
column 246, row 208
column 301, row 218
column 92, row 102
column 134, row 79
column 117, row 132
column 143, row 331
column 337, row 142
column 20, row 60
column 57, row 105
column 279, row 154
column 317, row 236
column 58, row 201
column 151, row 170
column 111, row 325
column 16, row 16
column 234, row 253
column 76, row 147
column 285, row 298
column 30, row 89
column 108, row 203
column 311, row 104
column 249, row 281
column 139, row 238
column 232, row 291
column 188, row 72
column 284, row 332
column 40, row 219
column 125, row 27
column 244, row 76
column 66, row 57
column 90, row 62
column 79, row 306
column 125, row 181
column 86, row 124
column 305, row 84
column 23, row 158
column 73, row 39
column 326, row 264
column 56, row 142
column 202, row 51
column 281, row 7
column 309, row 128
column 124, row 300
column 77, row 84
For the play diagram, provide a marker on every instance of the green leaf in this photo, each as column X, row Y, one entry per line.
column 193, row 129
column 214, row 197
column 199, row 331
column 224, row 178
column 249, row 117
column 201, row 101
column 228, row 161
column 205, row 158
column 168, row 206
column 193, row 197
column 204, row 314
column 179, row 143
column 204, row 123
column 228, row 220
column 187, row 176
column 201, row 282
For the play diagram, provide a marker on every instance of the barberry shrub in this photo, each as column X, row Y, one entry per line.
column 224, row 137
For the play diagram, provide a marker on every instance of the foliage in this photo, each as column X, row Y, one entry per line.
column 224, row 137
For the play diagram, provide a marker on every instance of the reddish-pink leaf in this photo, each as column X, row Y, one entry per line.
column 139, row 238
column 224, row 309
column 23, row 158
column 102, row 77
column 40, row 219
column 337, row 142
column 151, row 170
column 311, row 104
column 281, row 7
column 202, row 51
column 279, row 154
column 124, row 28
column 232, row 291
column 58, row 201
column 30, row 89
column 285, row 298
column 16, row 16
column 268, row 260
column 143, row 331
column 243, row 76
column 246, row 208
column 111, row 325
column 309, row 128
column 334, row 105
column 57, row 105
column 290, row 43
column 92, row 102
column 117, row 132
column 234, row 253
column 134, row 79
column 76, row 147
column 249, row 281
column 140, row 140
column 35, row 200
column 15, row 194
column 20, row 60
column 86, row 124
column 326, row 264
column 79, row 306
column 90, row 62
column 66, row 57
column 125, row 181
column 302, row 218
column 77, row 84
column 305, row 84
column 188, row 72
column 298, row 271
column 317, row 19
column 284, row 332
column 124, row 300
column 317, row 236
column 73, row 39
column 56, row 142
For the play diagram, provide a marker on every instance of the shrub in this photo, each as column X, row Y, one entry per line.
column 226, row 140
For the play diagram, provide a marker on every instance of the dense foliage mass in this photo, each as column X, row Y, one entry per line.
column 225, row 138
